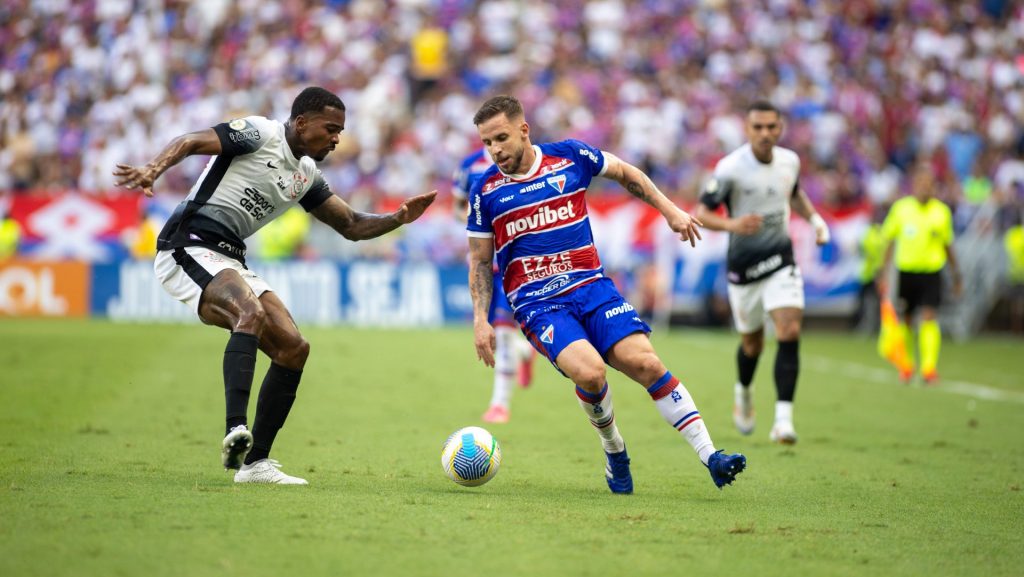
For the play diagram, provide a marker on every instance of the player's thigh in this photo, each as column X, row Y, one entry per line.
column 745, row 301
column 784, row 301
column 212, row 284
column 635, row 357
column 581, row 362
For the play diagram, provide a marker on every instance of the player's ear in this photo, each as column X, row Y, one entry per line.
column 524, row 129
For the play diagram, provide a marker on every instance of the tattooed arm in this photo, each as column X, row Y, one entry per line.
column 481, row 288
column 640, row 185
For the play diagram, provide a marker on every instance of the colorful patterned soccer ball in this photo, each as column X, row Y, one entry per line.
column 470, row 456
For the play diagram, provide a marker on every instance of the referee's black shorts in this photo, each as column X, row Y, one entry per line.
column 919, row 289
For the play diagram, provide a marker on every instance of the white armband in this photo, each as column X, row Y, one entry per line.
column 820, row 227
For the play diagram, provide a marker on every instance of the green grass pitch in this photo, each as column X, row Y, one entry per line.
column 109, row 463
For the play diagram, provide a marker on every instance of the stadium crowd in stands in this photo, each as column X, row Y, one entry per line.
column 867, row 86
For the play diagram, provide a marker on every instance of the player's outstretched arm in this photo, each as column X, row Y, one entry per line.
column 481, row 288
column 143, row 177
column 640, row 185
column 354, row 225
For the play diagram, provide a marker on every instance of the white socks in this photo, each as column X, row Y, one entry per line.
column 599, row 410
column 506, row 356
column 678, row 409
column 784, row 412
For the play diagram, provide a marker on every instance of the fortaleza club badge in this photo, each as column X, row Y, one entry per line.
column 548, row 336
column 558, row 182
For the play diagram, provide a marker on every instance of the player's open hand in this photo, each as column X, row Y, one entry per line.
column 414, row 207
column 134, row 177
column 485, row 341
column 686, row 225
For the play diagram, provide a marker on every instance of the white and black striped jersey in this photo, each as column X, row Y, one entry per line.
column 255, row 179
column 745, row 186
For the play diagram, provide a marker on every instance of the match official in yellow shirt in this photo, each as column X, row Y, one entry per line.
column 919, row 230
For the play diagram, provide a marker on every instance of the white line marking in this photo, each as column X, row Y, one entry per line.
column 828, row 365
column 855, row 370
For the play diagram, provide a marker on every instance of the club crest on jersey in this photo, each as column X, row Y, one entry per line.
column 548, row 336
column 558, row 182
column 298, row 182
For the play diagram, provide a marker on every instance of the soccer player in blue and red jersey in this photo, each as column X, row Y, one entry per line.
column 513, row 356
column 529, row 211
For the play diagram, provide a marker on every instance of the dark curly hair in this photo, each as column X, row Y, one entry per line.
column 315, row 99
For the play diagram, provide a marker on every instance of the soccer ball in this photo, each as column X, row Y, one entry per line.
column 470, row 456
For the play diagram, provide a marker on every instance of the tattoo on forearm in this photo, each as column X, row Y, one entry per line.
column 483, row 286
column 637, row 190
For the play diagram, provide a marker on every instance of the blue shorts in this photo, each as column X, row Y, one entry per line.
column 594, row 312
column 500, row 312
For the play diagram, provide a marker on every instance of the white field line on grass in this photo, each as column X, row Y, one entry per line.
column 828, row 365
column 855, row 370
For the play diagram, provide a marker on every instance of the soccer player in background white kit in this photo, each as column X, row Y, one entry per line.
column 758, row 183
column 260, row 168
column 513, row 356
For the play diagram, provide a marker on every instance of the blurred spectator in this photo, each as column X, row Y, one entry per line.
column 284, row 237
column 10, row 234
column 1014, row 243
column 867, row 85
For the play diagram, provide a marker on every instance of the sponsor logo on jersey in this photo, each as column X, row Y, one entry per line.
column 237, row 124
column 531, row 187
column 506, row 198
column 623, row 308
column 543, row 217
column 548, row 336
column 767, row 265
column 231, row 248
column 551, row 286
column 588, row 154
column 557, row 182
column 248, row 134
column 476, row 210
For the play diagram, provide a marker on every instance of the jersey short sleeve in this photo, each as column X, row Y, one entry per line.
column 317, row 194
column 592, row 159
column 243, row 135
column 478, row 223
column 716, row 191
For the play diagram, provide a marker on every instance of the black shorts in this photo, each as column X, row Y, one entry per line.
column 919, row 289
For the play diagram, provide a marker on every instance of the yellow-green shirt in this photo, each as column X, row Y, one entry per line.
column 10, row 233
column 1014, row 242
column 921, row 232
column 872, row 248
column 281, row 237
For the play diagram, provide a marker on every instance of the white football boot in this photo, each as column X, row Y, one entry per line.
column 235, row 447
column 743, row 409
column 783, row 433
column 266, row 471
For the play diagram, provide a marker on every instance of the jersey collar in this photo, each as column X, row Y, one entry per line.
column 533, row 168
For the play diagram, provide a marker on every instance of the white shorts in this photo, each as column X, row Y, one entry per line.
column 185, row 272
column 749, row 302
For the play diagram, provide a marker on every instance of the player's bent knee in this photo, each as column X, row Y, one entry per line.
column 591, row 380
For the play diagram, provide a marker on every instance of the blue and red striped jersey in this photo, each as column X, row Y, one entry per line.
column 538, row 221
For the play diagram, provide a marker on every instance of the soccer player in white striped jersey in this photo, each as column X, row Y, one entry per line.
column 260, row 168
column 759, row 183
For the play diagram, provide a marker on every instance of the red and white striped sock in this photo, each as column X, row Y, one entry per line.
column 678, row 409
column 599, row 410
